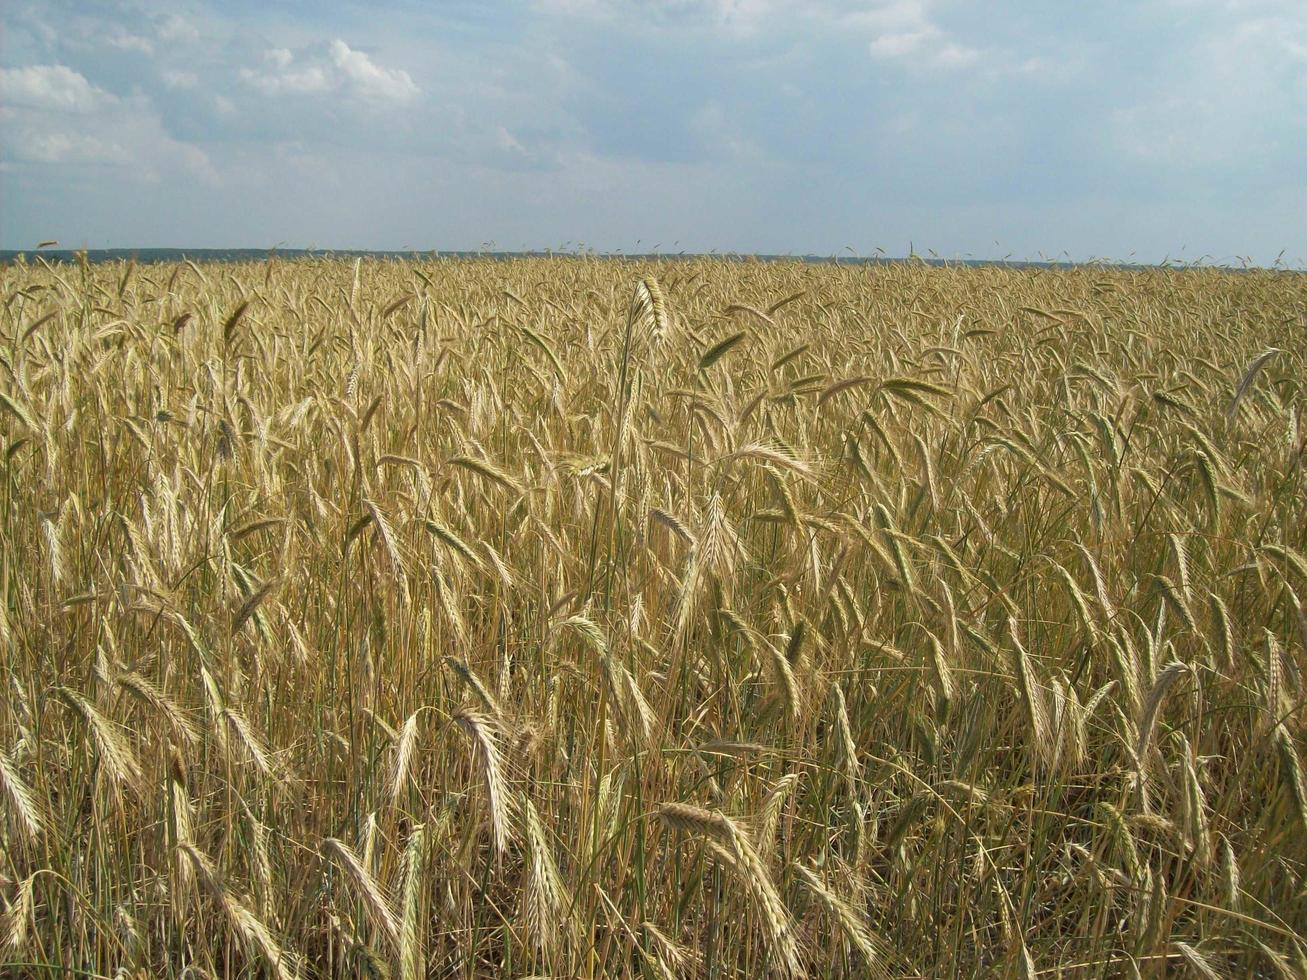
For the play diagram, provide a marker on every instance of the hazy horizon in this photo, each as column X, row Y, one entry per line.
column 165, row 254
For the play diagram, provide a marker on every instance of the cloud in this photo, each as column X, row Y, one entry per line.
column 649, row 11
column 371, row 80
column 903, row 31
column 720, row 133
column 507, row 142
column 306, row 164
column 952, row 55
column 340, row 70
column 180, row 79
column 53, row 118
column 123, row 40
column 54, row 88
column 61, row 147
column 281, row 76
column 899, row 45
column 894, row 30
column 127, row 137
column 175, row 29
column 1243, row 104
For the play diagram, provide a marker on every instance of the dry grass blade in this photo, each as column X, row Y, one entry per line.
column 1291, row 766
column 839, row 387
column 17, row 921
column 673, row 524
column 247, row 926
column 476, row 686
column 782, row 303
column 768, row 819
column 116, row 755
column 848, row 747
column 775, row 454
column 486, row 470
column 251, row 605
column 719, row 350
column 22, row 804
column 783, row 948
column 1031, row 693
column 546, row 903
column 650, row 294
column 1166, row 677
column 1249, row 376
column 18, row 412
column 480, row 729
column 1199, row 963
column 404, row 750
column 374, row 900
column 852, row 925
column 181, row 723
column 410, row 931
column 387, row 538
column 234, row 721
column 732, row 845
column 233, row 319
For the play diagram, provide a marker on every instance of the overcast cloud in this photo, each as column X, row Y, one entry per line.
column 1112, row 129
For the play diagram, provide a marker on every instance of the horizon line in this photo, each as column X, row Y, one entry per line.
column 238, row 254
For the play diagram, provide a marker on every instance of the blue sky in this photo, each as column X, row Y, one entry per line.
column 984, row 129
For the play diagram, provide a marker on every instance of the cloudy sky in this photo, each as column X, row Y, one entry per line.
column 982, row 128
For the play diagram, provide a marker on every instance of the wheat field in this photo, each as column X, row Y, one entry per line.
column 695, row 618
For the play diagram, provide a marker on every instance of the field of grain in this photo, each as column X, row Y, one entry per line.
column 583, row 617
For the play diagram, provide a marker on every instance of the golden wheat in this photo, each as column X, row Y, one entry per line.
column 651, row 618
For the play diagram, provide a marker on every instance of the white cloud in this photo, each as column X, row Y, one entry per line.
column 1239, row 101
column 53, row 117
column 180, row 79
column 281, row 58
column 953, row 55
column 742, row 17
column 904, row 31
column 900, row 45
column 124, row 40
column 51, row 87
column 344, row 70
column 371, row 80
column 507, row 142
column 61, row 147
column 282, row 76
column 308, row 165
column 720, row 133
column 178, row 30
column 889, row 17
column 925, row 47
column 893, row 29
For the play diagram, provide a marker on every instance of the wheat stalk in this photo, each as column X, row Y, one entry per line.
column 374, row 900
column 481, row 731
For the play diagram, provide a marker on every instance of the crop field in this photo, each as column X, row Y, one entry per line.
column 693, row 618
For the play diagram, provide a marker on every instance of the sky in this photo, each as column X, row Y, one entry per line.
column 971, row 128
